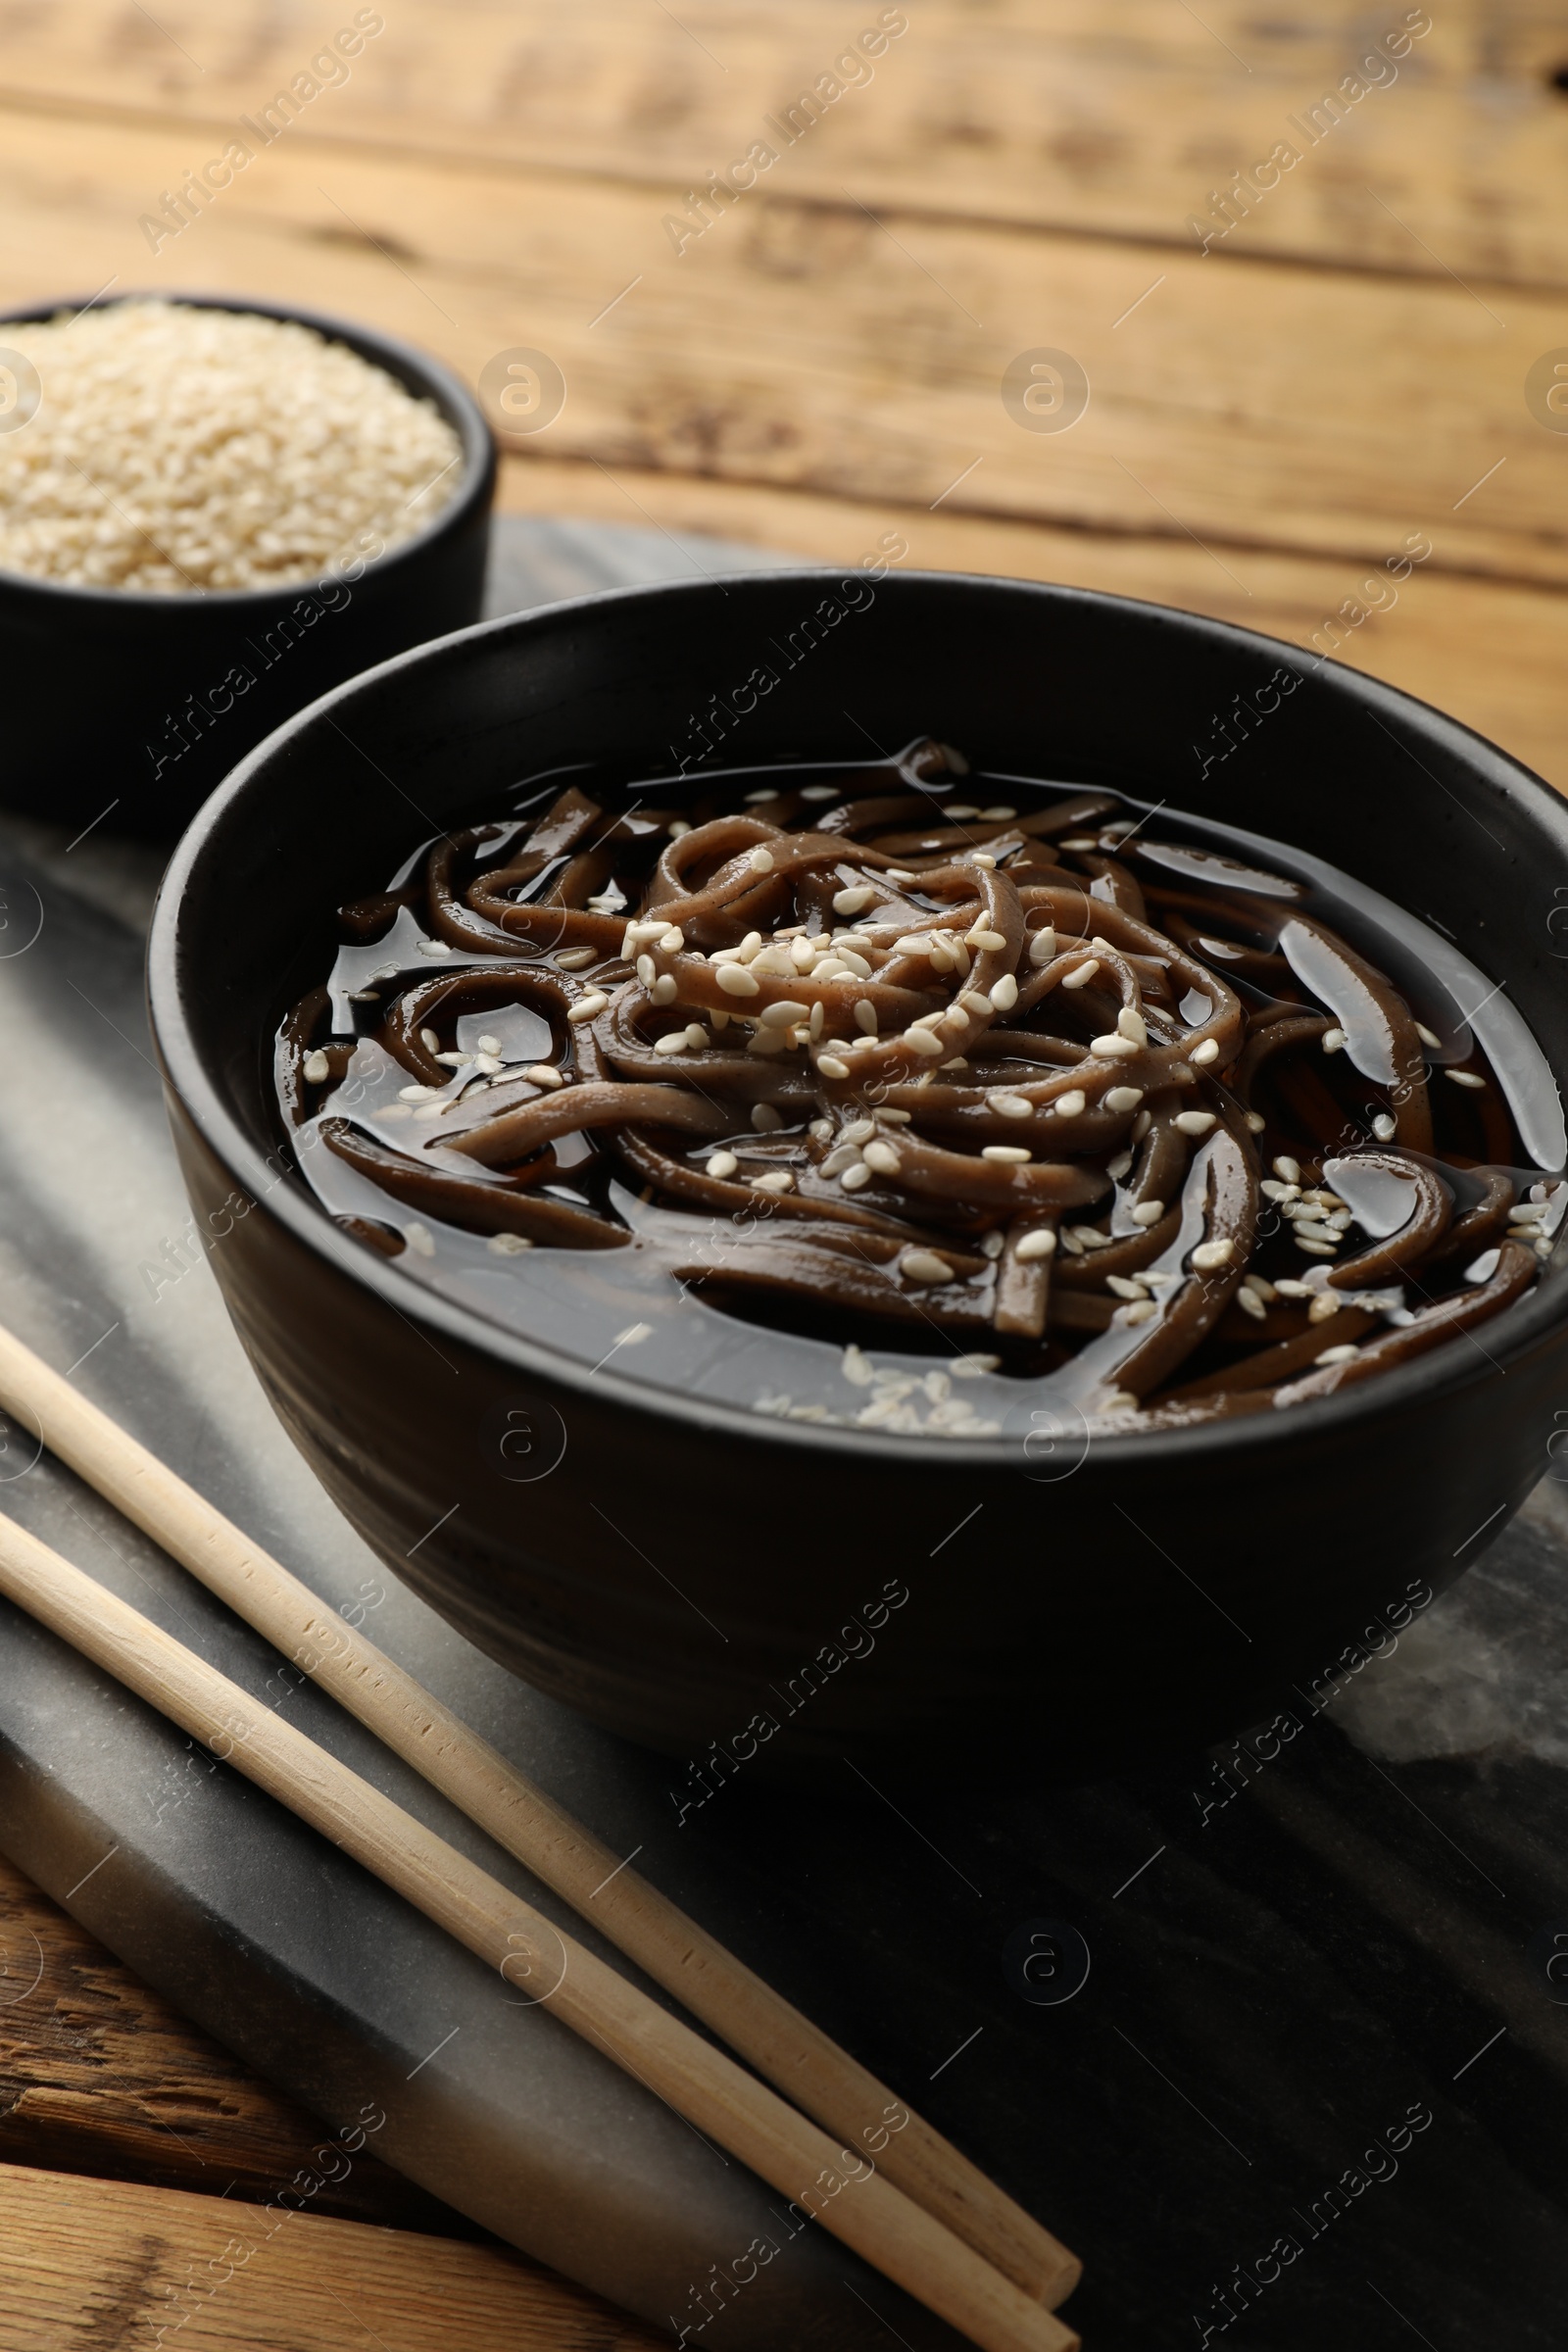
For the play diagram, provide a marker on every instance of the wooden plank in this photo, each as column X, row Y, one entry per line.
column 92, row 2266
column 808, row 349
column 1491, row 654
column 98, row 2075
column 1107, row 116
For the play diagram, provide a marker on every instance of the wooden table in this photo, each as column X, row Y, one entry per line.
column 1317, row 304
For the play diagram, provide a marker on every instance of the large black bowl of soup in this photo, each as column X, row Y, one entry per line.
column 891, row 1165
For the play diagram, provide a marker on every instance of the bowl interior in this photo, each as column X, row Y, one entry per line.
column 419, row 373
column 1040, row 682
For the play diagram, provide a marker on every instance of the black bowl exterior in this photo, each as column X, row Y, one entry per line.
column 751, row 1594
column 140, row 704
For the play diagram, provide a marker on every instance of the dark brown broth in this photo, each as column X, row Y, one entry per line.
column 1062, row 1195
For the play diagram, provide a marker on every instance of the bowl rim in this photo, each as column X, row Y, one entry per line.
column 1532, row 1320
column 434, row 379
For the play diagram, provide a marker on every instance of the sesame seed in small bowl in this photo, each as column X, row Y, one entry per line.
column 211, row 510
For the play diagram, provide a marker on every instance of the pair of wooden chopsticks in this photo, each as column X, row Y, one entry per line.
column 923, row 2215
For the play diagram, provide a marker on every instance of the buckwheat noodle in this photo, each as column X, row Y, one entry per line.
column 1051, row 1089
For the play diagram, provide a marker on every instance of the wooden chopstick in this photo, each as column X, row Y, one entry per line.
column 702, row 2084
column 785, row 2047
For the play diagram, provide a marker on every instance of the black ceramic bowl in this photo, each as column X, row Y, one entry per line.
column 676, row 1569
column 126, row 702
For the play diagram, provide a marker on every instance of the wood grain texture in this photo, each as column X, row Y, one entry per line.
column 811, row 349
column 1110, row 117
column 801, row 2062
column 844, row 2191
column 94, row 2265
column 98, row 2075
column 1490, row 652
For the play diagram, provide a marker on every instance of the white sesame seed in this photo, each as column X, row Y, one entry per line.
column 783, row 1013
column 1426, row 1036
column 1081, row 974
column 1132, row 1024
column 1252, row 1305
column 678, row 826
column 1070, row 1105
column 853, row 1179
column 1118, row 1167
column 1385, row 1128
column 919, row 1041
column 1288, row 1169
column 980, row 858
column 777, row 1180
column 1043, row 946
column 1273, row 1190
column 1119, row 1098
column 1005, row 995
column 647, row 970
column 1463, row 1078
column 1313, row 1248
column 1255, row 1121
column 1013, row 1107
column 1013, row 1152
column 1544, row 1246
column 1205, row 1054
column 1257, row 1281
column 419, row 1238
column 819, row 792
column 673, row 941
column 765, row 1120
column 697, row 1036
column 1288, row 1287
column 1124, row 1286
column 722, row 1164
column 416, row 1094
column 855, row 964
column 982, row 936
column 760, row 861
column 924, row 1265
column 1326, row 1304
column 882, row 1156
column 998, row 815
column 1338, row 1356
column 1081, row 840
column 316, row 1068
column 452, row 1061
column 898, row 874
column 831, row 1067
column 1149, row 1212
column 843, row 1155
column 852, row 900
column 735, row 980
column 434, row 947
column 1193, row 1122
column 865, row 1016
column 894, row 1119
column 1210, row 1255
column 508, row 1245
column 1527, row 1212
column 664, row 991
column 1142, row 1311
column 1113, row 1045
column 1039, row 1241
column 575, row 959
column 1334, row 1040
column 674, row 1042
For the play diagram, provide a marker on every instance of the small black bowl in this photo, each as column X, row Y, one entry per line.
column 131, row 706
column 681, row 1570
